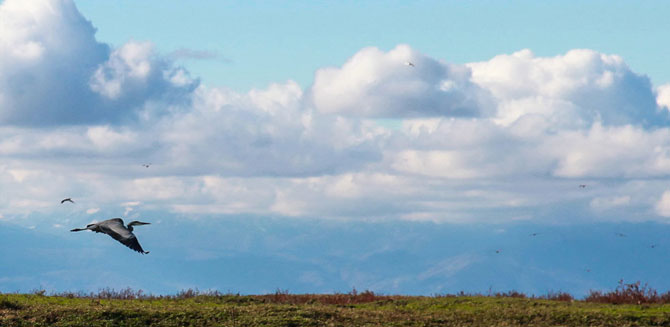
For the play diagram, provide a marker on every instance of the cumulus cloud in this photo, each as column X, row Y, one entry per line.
column 625, row 151
column 573, row 90
column 133, row 73
column 373, row 83
column 47, row 51
column 53, row 71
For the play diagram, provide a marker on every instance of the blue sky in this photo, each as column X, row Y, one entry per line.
column 273, row 41
column 292, row 146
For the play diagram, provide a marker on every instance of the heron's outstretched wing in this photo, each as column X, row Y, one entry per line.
column 114, row 228
column 132, row 243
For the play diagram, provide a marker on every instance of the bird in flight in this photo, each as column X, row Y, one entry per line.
column 66, row 200
column 534, row 234
column 409, row 63
column 146, row 165
column 582, row 185
column 653, row 246
column 114, row 227
column 498, row 251
column 620, row 234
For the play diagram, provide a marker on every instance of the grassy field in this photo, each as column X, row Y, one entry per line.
column 358, row 309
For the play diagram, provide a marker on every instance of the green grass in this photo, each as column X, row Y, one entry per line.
column 322, row 310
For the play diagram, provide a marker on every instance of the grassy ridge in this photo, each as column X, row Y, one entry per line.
column 322, row 310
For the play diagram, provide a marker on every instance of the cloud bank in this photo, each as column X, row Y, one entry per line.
column 495, row 141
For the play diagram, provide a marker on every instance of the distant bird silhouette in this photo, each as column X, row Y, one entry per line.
column 146, row 165
column 534, row 234
column 582, row 185
column 498, row 251
column 588, row 270
column 66, row 200
column 114, row 228
column 653, row 246
column 620, row 234
column 409, row 63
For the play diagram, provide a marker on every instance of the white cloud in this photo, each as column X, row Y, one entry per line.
column 575, row 89
column 48, row 57
column 373, row 83
column 128, row 67
column 45, row 48
column 134, row 72
column 625, row 151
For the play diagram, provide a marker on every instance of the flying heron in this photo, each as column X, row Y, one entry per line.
column 114, row 228
column 66, row 200
column 409, row 63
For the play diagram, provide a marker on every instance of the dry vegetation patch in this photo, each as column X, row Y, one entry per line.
column 195, row 308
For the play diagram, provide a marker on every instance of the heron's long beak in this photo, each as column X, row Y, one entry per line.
column 77, row 229
column 133, row 223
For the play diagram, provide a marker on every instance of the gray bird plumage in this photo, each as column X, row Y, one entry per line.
column 114, row 227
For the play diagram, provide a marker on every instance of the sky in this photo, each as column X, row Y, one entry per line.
column 292, row 145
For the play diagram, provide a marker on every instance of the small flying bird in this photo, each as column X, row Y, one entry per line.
column 620, row 234
column 653, row 246
column 534, row 234
column 114, row 228
column 588, row 270
column 146, row 165
column 409, row 63
column 582, row 185
column 498, row 251
column 66, row 200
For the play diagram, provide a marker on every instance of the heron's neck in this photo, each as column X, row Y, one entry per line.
column 130, row 228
